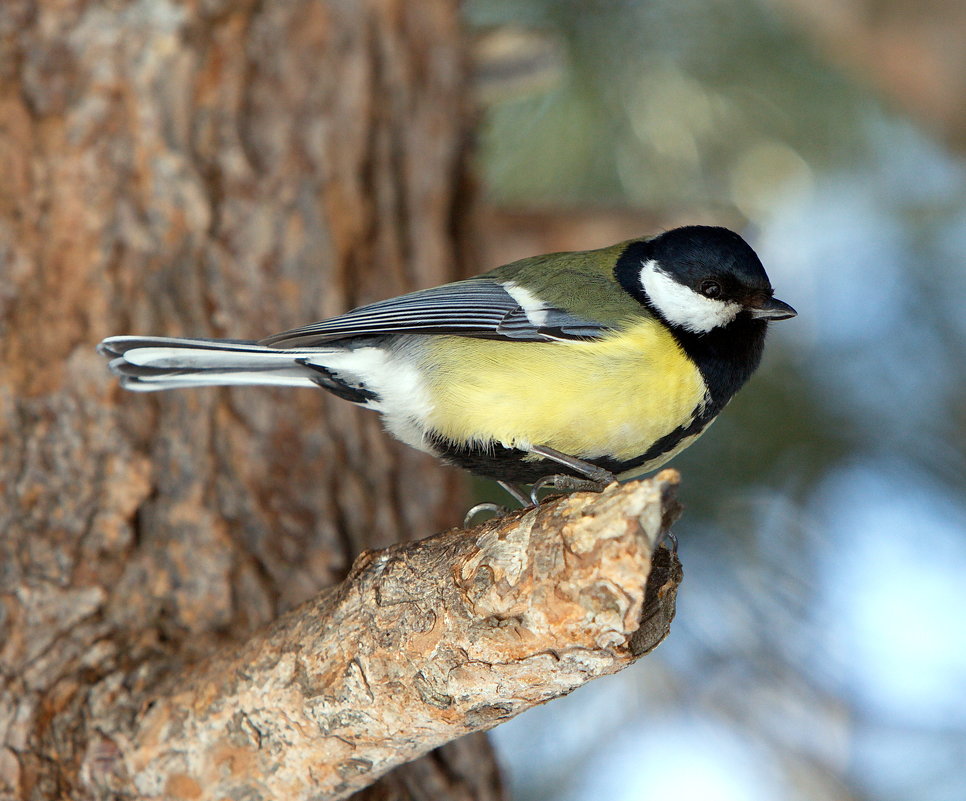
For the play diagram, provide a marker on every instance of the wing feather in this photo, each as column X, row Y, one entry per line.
column 475, row 308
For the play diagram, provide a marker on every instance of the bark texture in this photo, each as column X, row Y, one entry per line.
column 422, row 643
column 214, row 168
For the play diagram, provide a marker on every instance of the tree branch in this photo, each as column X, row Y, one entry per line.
column 422, row 643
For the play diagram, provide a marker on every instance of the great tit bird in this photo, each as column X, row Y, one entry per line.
column 595, row 364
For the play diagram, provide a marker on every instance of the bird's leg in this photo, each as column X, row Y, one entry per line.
column 595, row 478
column 590, row 471
column 518, row 494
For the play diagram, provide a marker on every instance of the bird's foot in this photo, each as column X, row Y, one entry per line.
column 566, row 483
column 593, row 478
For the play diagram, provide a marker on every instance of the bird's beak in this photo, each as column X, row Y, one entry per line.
column 772, row 309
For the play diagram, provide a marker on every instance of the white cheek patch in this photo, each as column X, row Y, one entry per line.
column 532, row 306
column 682, row 306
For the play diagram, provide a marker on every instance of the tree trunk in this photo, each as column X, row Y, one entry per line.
column 218, row 168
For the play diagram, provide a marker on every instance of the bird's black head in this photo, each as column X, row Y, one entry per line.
column 699, row 278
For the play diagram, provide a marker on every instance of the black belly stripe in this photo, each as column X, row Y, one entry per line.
column 507, row 464
column 664, row 445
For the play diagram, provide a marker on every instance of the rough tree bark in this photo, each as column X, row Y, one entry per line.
column 422, row 643
column 220, row 168
column 217, row 168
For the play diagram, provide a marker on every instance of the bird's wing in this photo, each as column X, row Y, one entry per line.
column 482, row 308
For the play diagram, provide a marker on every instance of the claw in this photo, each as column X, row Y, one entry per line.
column 483, row 507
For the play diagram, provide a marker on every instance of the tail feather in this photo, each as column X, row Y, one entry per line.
column 148, row 364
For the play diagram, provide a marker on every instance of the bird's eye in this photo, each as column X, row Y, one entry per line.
column 711, row 289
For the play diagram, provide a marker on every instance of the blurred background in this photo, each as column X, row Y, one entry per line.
column 819, row 650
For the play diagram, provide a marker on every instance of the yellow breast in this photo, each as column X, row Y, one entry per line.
column 610, row 397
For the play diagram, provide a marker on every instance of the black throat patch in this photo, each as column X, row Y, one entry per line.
column 725, row 356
